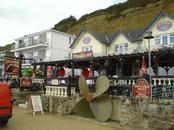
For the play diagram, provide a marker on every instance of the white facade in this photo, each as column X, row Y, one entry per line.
column 121, row 45
column 87, row 42
column 162, row 27
column 47, row 45
column 163, row 31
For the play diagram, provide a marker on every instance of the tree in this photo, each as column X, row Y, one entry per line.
column 65, row 24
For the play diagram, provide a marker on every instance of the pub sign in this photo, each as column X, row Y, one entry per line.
column 141, row 89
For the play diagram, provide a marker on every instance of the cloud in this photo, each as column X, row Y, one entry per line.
column 21, row 17
column 13, row 14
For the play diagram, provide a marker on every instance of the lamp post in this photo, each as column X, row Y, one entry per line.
column 20, row 64
column 148, row 36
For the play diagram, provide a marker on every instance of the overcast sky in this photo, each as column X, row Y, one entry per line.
column 22, row 17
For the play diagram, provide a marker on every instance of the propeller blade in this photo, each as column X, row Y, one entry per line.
column 102, row 84
column 101, row 108
column 82, row 108
column 84, row 90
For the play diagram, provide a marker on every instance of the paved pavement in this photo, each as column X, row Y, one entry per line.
column 26, row 121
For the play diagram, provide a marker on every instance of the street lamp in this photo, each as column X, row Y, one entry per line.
column 20, row 64
column 148, row 35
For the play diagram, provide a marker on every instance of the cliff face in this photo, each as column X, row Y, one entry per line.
column 123, row 16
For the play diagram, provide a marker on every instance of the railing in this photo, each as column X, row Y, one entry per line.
column 61, row 87
column 22, row 45
column 162, row 86
column 59, row 91
column 163, row 81
column 33, row 43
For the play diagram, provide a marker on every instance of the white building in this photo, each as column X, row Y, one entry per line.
column 120, row 42
column 162, row 28
column 47, row 45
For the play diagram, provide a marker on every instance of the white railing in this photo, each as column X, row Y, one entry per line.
column 59, row 91
column 163, row 81
column 114, row 82
column 155, row 81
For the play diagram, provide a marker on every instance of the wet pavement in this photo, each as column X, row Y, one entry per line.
column 23, row 120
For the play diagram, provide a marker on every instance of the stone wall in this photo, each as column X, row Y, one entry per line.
column 23, row 97
column 147, row 114
column 59, row 105
column 135, row 114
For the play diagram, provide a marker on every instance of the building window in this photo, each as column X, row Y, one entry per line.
column 172, row 38
column 30, row 55
column 30, row 41
column 121, row 48
column 42, row 55
column 158, row 40
column 125, row 46
column 116, row 48
column 21, row 44
column 86, row 48
column 164, row 40
column 42, row 38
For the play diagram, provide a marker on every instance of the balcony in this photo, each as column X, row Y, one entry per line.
column 24, row 46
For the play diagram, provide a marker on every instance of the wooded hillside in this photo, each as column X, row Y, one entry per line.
column 131, row 15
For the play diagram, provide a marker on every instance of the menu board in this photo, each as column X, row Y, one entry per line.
column 36, row 104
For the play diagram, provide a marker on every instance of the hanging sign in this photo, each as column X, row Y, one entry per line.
column 141, row 89
column 54, row 82
column 12, row 67
column 26, row 81
column 163, row 26
column 82, row 55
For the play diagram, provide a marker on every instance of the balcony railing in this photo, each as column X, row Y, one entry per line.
column 33, row 43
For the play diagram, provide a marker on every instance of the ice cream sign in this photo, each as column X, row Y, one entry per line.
column 163, row 26
column 86, row 40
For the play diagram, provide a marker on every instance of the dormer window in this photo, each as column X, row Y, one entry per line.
column 125, row 46
column 158, row 40
column 165, row 40
column 172, row 38
column 121, row 48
